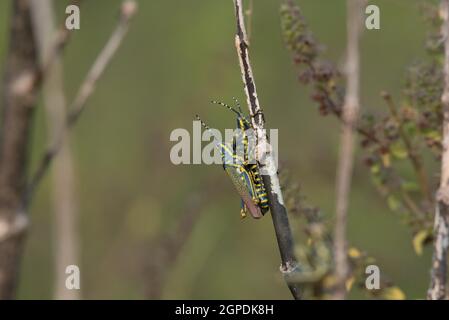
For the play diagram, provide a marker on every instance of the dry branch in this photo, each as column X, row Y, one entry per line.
column 438, row 282
column 128, row 9
column 345, row 164
column 264, row 153
column 18, row 101
column 65, row 241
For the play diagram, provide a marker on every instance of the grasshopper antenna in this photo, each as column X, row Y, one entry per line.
column 227, row 106
column 202, row 122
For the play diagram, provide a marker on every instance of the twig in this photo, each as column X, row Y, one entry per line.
column 345, row 166
column 128, row 9
column 438, row 281
column 263, row 152
column 59, row 43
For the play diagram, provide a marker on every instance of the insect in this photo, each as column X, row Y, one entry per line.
column 244, row 173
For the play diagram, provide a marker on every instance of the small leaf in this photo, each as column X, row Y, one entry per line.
column 393, row 293
column 349, row 283
column 398, row 150
column 393, row 203
column 410, row 128
column 354, row 253
column 410, row 186
column 375, row 169
column 418, row 241
column 434, row 135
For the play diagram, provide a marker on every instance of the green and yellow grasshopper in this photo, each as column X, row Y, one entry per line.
column 244, row 174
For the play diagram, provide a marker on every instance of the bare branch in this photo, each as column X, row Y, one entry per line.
column 345, row 165
column 438, row 282
column 65, row 209
column 264, row 152
column 53, row 52
column 19, row 99
column 128, row 9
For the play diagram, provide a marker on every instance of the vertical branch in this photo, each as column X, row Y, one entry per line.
column 18, row 99
column 438, row 281
column 64, row 200
column 345, row 162
column 264, row 152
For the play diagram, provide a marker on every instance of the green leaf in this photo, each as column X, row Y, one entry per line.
column 393, row 293
column 393, row 203
column 410, row 129
column 398, row 150
column 375, row 168
column 410, row 186
column 418, row 241
column 434, row 135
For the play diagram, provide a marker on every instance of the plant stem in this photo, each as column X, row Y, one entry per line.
column 18, row 102
column 263, row 149
column 438, row 281
column 345, row 165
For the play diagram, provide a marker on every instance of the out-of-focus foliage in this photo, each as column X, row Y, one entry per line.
column 314, row 252
column 401, row 135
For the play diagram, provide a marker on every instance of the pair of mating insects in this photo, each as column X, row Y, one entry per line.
column 244, row 173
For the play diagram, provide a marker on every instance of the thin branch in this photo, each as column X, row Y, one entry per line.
column 438, row 282
column 345, row 165
column 60, row 41
column 128, row 9
column 265, row 157
column 65, row 207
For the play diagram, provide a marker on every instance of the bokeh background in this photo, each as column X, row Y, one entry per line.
column 176, row 58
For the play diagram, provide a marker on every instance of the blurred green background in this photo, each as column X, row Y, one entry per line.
column 177, row 57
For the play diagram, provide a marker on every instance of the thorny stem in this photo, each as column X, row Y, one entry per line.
column 263, row 149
